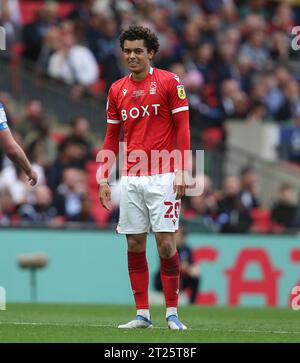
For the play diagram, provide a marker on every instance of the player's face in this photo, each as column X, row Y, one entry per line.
column 137, row 56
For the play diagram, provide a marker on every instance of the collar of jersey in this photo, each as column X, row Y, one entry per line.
column 150, row 73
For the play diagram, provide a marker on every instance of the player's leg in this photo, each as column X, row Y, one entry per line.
column 134, row 222
column 164, row 217
column 170, row 276
column 139, row 279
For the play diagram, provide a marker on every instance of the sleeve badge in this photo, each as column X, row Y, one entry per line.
column 181, row 92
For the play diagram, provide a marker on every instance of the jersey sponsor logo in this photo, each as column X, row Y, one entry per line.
column 152, row 89
column 136, row 112
column 181, row 92
column 124, row 91
column 138, row 93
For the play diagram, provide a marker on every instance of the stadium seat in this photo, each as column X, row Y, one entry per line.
column 64, row 9
column 261, row 220
column 57, row 136
column 28, row 9
column 212, row 137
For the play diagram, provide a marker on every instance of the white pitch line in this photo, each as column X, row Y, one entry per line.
column 80, row 325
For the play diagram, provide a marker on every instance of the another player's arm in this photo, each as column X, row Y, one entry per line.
column 15, row 153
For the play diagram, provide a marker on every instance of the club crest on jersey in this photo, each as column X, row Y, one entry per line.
column 152, row 89
column 181, row 92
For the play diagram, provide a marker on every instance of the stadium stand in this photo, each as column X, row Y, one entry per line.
column 236, row 59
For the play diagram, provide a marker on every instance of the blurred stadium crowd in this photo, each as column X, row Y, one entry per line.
column 234, row 57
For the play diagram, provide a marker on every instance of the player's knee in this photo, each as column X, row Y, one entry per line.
column 167, row 249
column 135, row 244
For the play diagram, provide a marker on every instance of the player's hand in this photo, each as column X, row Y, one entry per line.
column 105, row 196
column 180, row 185
column 32, row 177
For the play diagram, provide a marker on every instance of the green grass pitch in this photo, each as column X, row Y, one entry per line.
column 98, row 323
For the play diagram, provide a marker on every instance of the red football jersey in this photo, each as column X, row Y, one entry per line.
column 144, row 109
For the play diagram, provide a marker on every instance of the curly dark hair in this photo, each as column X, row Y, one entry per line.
column 136, row 32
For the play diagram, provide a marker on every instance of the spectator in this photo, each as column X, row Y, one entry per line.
column 80, row 133
column 83, row 10
column 255, row 49
column 85, row 214
column 73, row 63
column 70, row 155
column 40, row 211
column 249, row 188
column 290, row 103
column 283, row 18
column 7, row 208
column 50, row 45
column 34, row 124
column 69, row 194
column 286, row 211
column 34, row 33
column 273, row 96
column 232, row 216
column 102, row 38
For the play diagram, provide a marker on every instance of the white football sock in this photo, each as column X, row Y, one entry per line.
column 171, row 311
column 144, row 312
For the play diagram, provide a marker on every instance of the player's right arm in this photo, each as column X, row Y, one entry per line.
column 13, row 150
column 109, row 151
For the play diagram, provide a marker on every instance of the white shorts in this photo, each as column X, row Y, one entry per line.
column 148, row 202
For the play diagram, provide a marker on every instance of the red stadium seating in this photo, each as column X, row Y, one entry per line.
column 212, row 137
column 28, row 9
column 261, row 220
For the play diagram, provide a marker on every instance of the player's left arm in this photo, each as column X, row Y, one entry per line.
column 180, row 114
